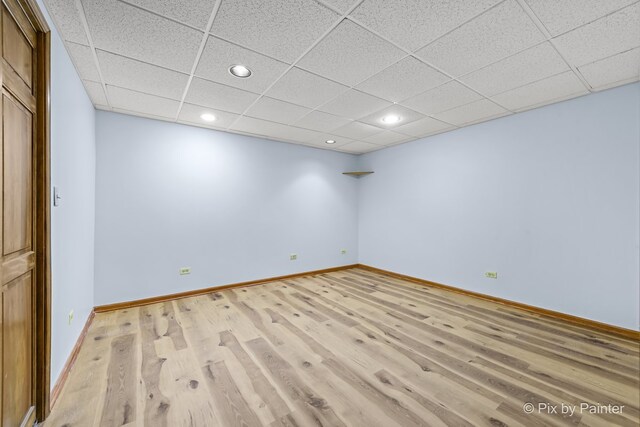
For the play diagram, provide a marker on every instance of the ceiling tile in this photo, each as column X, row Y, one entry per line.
column 126, row 30
column 414, row 23
column 276, row 111
column 219, row 55
column 276, row 131
column 323, row 122
column 314, row 138
column 359, row 147
column 140, row 76
column 393, row 144
column 287, row 28
column 95, row 92
column 496, row 34
column 402, row 80
column 406, row 116
column 517, row 70
column 387, row 137
column 350, row 54
column 624, row 67
column 442, row 98
column 341, row 5
column 303, row 88
column 191, row 12
column 561, row 16
column 423, row 127
column 138, row 102
column 139, row 114
column 323, row 136
column 613, row 34
column 82, row 57
column 541, row 92
column 68, row 21
column 356, row 130
column 218, row 96
column 191, row 114
column 257, row 126
column 354, row 104
column 473, row 112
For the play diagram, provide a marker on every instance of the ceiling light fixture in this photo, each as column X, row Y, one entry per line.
column 240, row 71
column 330, row 141
column 390, row 119
column 208, row 117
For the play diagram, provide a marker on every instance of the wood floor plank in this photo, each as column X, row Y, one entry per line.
column 601, row 378
column 449, row 418
column 346, row 348
column 459, row 300
column 87, row 381
column 345, row 320
column 426, row 364
column 482, row 319
column 318, row 317
column 254, row 317
column 228, row 399
column 366, row 351
column 261, row 384
column 120, row 398
column 156, row 404
column 305, row 398
column 305, row 353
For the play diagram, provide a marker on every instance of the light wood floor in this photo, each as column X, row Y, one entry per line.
column 350, row 348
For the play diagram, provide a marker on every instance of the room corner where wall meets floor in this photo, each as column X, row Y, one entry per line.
column 229, row 208
column 547, row 199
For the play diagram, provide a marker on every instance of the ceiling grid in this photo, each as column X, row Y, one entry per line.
column 332, row 69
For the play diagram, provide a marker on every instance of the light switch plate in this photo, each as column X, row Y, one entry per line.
column 57, row 198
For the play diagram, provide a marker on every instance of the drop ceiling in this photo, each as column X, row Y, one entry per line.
column 331, row 69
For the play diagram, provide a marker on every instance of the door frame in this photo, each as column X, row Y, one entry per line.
column 42, row 227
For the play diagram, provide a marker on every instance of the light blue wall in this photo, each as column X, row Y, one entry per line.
column 548, row 198
column 231, row 207
column 72, row 223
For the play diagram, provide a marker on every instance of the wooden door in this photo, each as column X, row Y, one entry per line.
column 21, row 288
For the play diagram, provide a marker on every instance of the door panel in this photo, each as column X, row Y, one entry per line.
column 17, row 339
column 16, row 48
column 18, row 190
column 18, row 258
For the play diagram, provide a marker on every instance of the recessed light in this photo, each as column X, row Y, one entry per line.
column 240, row 71
column 208, row 117
column 330, row 141
column 390, row 119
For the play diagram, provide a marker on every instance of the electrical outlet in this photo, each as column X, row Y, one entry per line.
column 343, row 251
column 70, row 316
column 293, row 257
column 185, row 270
column 491, row 274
